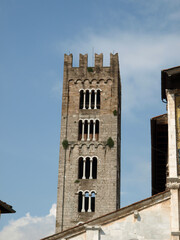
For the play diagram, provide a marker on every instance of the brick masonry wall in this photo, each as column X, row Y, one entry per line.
column 107, row 184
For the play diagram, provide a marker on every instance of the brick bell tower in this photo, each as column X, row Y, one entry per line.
column 89, row 160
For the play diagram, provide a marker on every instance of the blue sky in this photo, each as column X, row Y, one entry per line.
column 35, row 34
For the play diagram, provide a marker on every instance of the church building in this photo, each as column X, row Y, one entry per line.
column 88, row 202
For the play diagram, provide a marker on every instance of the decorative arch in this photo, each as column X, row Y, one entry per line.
column 86, row 201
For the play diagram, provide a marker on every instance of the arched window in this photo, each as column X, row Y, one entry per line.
column 86, row 201
column 80, row 130
column 87, row 171
column 87, row 168
column 88, row 130
column 93, row 201
column 89, row 99
column 85, row 129
column 97, row 130
column 81, row 99
column 80, row 198
column 94, row 168
column 80, row 169
column 92, row 99
column 98, row 99
column 91, row 130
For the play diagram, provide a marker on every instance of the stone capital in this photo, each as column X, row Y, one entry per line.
column 173, row 185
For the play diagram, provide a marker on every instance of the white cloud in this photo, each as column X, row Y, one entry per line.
column 29, row 227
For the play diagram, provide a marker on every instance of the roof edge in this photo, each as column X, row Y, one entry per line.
column 109, row 217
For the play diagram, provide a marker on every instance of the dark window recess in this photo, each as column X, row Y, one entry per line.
column 80, row 202
column 97, row 130
column 81, row 99
column 98, row 99
column 80, row 174
column 87, row 99
column 86, row 201
column 91, row 130
column 92, row 99
column 94, row 168
column 93, row 202
column 80, row 130
column 85, row 129
column 87, row 168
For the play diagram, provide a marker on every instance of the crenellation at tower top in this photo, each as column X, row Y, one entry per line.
column 83, row 60
column 98, row 63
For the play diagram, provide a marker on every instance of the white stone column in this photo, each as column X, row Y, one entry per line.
column 82, row 139
column 91, row 161
column 84, row 168
column 95, row 100
column 89, row 99
column 172, row 148
column 174, row 188
column 83, row 202
column 89, row 204
column 173, row 180
column 88, row 131
column 94, row 130
column 84, row 101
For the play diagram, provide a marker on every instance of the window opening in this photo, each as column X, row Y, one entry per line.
column 87, row 168
column 98, row 99
column 80, row 174
column 92, row 99
column 80, row 202
column 81, row 99
column 94, row 168
column 93, row 202
column 97, row 130
column 87, row 99
column 80, row 130
column 91, row 130
column 86, row 201
column 85, row 129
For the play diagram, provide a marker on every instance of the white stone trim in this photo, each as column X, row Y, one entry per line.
column 173, row 185
column 172, row 147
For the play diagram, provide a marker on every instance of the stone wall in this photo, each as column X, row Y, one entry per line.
column 107, row 184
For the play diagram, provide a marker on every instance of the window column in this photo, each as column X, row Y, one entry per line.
column 89, row 99
column 83, row 202
column 88, row 131
column 89, row 206
column 95, row 100
column 91, row 160
column 84, row 101
column 82, row 139
column 94, row 130
column 84, row 168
